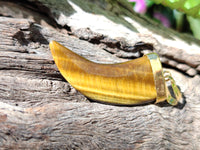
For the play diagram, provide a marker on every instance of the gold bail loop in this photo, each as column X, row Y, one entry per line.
column 160, row 79
column 176, row 92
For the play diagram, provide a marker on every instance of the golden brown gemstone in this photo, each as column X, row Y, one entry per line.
column 127, row 83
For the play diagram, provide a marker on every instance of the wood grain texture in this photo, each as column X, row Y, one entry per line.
column 40, row 110
column 180, row 51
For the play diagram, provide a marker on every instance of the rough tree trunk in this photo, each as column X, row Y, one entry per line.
column 40, row 110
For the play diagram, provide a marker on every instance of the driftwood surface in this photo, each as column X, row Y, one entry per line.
column 40, row 110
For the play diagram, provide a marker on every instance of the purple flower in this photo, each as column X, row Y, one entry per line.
column 140, row 6
column 163, row 19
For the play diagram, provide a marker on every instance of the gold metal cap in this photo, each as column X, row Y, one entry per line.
column 160, row 79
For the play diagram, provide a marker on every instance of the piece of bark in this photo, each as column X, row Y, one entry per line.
column 40, row 110
column 170, row 45
column 26, row 59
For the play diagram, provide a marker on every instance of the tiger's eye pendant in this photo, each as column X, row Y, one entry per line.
column 137, row 81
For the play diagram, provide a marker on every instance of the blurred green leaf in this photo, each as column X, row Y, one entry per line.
column 179, row 17
column 190, row 7
column 194, row 25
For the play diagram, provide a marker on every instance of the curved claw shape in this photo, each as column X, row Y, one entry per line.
column 127, row 83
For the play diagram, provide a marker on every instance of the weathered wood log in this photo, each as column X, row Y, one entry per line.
column 179, row 51
column 40, row 110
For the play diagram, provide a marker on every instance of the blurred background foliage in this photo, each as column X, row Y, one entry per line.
column 181, row 15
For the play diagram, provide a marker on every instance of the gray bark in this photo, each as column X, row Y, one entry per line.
column 40, row 110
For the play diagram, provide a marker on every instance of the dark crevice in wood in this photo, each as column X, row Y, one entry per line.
column 1, row 15
column 33, row 35
column 36, row 36
column 21, row 39
column 113, row 46
column 43, row 74
column 41, row 9
column 143, row 46
column 171, row 67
